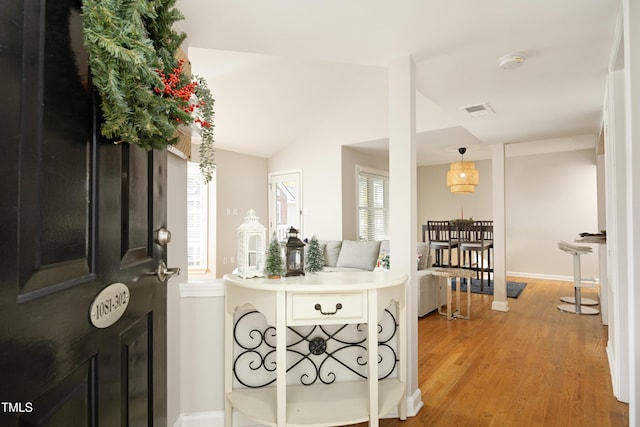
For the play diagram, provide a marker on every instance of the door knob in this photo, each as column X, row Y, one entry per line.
column 163, row 236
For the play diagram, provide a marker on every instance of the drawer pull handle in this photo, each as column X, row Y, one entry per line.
column 328, row 313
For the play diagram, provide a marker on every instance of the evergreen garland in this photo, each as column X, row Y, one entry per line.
column 129, row 42
column 274, row 265
column 315, row 259
column 131, row 45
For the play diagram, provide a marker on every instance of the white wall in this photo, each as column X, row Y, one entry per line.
column 359, row 115
column 321, row 185
column 550, row 197
column 195, row 329
column 202, row 332
column 241, row 184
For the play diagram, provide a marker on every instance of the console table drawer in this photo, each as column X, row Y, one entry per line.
column 312, row 308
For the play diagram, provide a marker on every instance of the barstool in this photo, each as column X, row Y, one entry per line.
column 576, row 304
column 441, row 238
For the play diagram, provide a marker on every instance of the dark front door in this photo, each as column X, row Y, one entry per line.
column 77, row 214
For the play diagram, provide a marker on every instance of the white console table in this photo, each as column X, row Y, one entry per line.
column 320, row 299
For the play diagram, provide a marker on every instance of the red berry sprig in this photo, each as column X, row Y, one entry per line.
column 185, row 92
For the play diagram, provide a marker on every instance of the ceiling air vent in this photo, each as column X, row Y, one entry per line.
column 479, row 110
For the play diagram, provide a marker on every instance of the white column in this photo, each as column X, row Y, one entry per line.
column 631, row 20
column 499, row 230
column 403, row 203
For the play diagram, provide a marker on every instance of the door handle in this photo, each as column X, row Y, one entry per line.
column 163, row 273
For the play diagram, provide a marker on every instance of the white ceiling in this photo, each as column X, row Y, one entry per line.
column 283, row 69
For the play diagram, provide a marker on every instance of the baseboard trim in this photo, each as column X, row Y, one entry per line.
column 547, row 276
column 200, row 419
column 540, row 276
column 500, row 306
column 614, row 381
column 212, row 419
column 216, row 418
column 414, row 403
column 615, row 384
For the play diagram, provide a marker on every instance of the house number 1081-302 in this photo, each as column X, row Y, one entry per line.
column 109, row 305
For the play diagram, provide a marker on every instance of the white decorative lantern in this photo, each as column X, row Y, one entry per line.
column 251, row 247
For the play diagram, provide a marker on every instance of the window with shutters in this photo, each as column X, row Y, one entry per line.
column 373, row 204
column 197, row 219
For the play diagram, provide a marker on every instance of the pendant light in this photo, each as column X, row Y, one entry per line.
column 462, row 176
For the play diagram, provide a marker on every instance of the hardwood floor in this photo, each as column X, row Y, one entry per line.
column 531, row 366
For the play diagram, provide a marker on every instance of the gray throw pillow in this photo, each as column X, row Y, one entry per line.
column 331, row 251
column 359, row 254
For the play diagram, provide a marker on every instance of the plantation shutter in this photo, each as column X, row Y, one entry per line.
column 373, row 202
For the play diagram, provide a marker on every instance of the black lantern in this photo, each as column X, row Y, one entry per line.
column 295, row 254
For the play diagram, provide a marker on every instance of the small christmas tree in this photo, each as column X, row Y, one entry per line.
column 274, row 265
column 315, row 259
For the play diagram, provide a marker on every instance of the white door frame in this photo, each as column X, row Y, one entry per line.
column 279, row 177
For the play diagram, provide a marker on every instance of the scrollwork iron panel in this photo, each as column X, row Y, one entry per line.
column 320, row 353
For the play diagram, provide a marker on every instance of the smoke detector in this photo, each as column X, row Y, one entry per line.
column 479, row 110
column 509, row 62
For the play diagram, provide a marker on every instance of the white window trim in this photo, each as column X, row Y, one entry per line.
column 201, row 268
column 375, row 172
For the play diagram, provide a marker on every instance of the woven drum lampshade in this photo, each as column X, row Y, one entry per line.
column 462, row 176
